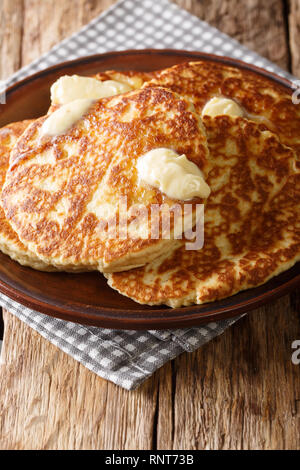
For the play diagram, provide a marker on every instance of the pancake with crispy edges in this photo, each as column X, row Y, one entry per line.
column 261, row 98
column 132, row 78
column 61, row 193
column 252, row 223
column 10, row 243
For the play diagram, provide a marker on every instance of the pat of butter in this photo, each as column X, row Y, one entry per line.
column 61, row 120
column 220, row 105
column 72, row 87
column 172, row 174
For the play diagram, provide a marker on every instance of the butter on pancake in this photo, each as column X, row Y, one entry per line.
column 63, row 118
column 10, row 243
column 73, row 87
column 173, row 174
column 218, row 106
column 58, row 188
column 251, row 222
column 261, row 99
column 68, row 88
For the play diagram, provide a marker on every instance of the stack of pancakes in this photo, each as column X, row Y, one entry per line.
column 60, row 193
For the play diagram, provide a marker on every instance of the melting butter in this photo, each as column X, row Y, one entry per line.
column 172, row 174
column 61, row 120
column 72, row 87
column 219, row 105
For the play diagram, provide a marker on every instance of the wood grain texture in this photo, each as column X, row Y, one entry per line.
column 48, row 22
column 240, row 391
column 50, row 401
column 294, row 35
column 11, row 27
column 256, row 24
column 247, row 388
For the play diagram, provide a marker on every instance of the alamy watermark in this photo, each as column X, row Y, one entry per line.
column 154, row 221
column 2, row 92
column 296, row 94
column 296, row 353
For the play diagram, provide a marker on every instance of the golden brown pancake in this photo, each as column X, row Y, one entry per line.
column 9, row 240
column 262, row 99
column 252, row 222
column 57, row 189
column 132, row 78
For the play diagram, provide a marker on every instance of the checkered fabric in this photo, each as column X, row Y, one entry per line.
column 127, row 358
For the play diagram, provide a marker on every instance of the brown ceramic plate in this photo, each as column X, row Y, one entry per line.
column 86, row 298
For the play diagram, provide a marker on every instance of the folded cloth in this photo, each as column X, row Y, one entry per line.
column 125, row 357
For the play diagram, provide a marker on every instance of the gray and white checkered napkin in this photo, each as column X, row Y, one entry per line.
column 127, row 358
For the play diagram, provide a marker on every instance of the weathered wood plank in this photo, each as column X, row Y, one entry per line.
column 241, row 390
column 48, row 22
column 11, row 24
column 294, row 35
column 258, row 25
column 50, row 401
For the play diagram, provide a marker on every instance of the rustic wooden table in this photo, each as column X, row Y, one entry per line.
column 240, row 391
